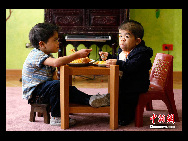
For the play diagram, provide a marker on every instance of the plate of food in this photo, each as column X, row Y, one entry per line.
column 101, row 63
column 81, row 62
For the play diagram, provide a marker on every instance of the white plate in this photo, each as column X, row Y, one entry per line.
column 92, row 61
column 101, row 65
column 80, row 64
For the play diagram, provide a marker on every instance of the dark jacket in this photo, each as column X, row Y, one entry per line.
column 135, row 77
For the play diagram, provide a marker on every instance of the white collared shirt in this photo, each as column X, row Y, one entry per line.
column 123, row 57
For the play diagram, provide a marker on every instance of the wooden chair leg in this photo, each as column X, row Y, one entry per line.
column 32, row 115
column 46, row 117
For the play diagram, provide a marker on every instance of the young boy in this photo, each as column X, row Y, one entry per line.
column 38, row 69
column 134, row 64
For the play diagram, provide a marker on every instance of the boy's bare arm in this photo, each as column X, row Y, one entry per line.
column 59, row 61
column 66, row 59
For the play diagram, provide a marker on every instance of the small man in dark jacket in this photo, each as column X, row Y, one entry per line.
column 134, row 64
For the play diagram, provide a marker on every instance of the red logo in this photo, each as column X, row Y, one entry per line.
column 162, row 119
column 153, row 117
column 170, row 118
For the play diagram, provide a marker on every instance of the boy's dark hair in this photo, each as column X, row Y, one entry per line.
column 41, row 32
column 134, row 27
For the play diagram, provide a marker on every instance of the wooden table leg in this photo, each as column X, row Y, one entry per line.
column 108, row 83
column 114, row 95
column 64, row 96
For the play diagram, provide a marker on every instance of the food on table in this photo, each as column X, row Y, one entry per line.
column 81, row 60
column 100, row 62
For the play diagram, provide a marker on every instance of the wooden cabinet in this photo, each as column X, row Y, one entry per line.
column 87, row 21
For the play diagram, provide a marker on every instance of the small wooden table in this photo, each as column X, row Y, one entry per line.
column 66, row 73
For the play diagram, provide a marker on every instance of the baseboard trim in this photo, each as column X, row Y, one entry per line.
column 177, row 75
column 14, row 72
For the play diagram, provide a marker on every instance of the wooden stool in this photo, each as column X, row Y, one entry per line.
column 41, row 108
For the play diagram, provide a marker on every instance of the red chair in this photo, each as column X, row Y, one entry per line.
column 161, row 88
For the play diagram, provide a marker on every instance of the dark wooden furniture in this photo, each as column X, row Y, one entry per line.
column 87, row 22
column 43, row 109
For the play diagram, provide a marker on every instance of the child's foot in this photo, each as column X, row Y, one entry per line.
column 99, row 100
column 56, row 121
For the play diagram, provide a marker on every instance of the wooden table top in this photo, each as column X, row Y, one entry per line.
column 89, row 70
